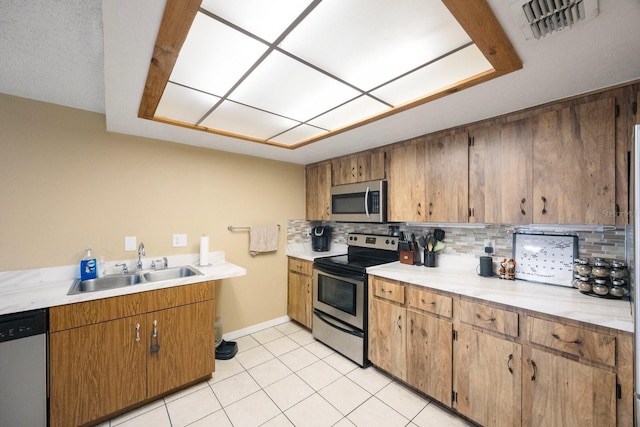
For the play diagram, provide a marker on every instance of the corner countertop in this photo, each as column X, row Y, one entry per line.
column 457, row 274
column 304, row 251
column 47, row 287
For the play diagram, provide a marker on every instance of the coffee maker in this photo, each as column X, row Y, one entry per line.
column 320, row 238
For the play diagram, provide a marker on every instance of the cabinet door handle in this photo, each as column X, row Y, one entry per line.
column 490, row 319
column 137, row 331
column 418, row 209
column 398, row 322
column 522, row 201
column 430, row 208
column 509, row 359
column 544, row 205
column 411, row 326
column 533, row 367
column 556, row 336
column 155, row 346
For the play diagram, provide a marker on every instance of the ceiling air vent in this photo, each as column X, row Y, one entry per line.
column 539, row 18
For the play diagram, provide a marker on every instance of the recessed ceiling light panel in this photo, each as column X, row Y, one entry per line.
column 214, row 55
column 292, row 89
column 369, row 44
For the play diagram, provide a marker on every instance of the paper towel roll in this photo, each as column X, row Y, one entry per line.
column 204, row 250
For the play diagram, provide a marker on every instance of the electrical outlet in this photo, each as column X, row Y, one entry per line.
column 179, row 240
column 489, row 243
column 130, row 243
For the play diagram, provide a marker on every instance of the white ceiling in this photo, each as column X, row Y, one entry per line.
column 94, row 55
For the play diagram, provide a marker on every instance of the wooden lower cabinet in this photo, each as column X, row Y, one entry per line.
column 299, row 292
column 487, row 378
column 185, row 341
column 557, row 391
column 96, row 370
column 99, row 369
column 387, row 337
column 429, row 355
column 498, row 365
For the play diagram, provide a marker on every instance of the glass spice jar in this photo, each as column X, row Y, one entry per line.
column 584, row 269
column 600, row 287
column 585, row 284
column 617, row 291
column 619, row 270
column 600, row 268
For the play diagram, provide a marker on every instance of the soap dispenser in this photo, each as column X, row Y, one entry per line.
column 88, row 266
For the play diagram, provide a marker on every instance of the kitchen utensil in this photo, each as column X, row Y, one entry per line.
column 438, row 247
column 438, row 234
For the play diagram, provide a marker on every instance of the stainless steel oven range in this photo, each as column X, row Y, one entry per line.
column 340, row 293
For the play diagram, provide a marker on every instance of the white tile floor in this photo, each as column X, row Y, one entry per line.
column 281, row 376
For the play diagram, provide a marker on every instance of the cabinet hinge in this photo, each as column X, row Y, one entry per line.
column 634, row 107
column 454, row 397
column 617, row 110
column 618, row 391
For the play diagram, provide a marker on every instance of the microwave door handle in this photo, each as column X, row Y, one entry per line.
column 366, row 202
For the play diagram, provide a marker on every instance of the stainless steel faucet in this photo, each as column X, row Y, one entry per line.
column 140, row 254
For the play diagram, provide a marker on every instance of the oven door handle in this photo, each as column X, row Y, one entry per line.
column 323, row 317
column 339, row 273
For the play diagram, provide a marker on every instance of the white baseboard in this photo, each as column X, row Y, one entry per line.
column 230, row 336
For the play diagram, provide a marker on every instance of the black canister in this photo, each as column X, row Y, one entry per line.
column 486, row 266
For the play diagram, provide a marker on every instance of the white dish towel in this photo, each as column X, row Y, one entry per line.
column 263, row 239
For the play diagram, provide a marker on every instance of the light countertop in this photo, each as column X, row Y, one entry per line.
column 304, row 251
column 47, row 287
column 457, row 274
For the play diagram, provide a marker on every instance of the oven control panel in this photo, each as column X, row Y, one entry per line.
column 373, row 241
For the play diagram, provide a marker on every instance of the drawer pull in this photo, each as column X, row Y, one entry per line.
column 424, row 302
column 490, row 319
column 533, row 366
column 556, row 336
column 509, row 359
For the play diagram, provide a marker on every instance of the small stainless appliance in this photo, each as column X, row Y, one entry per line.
column 360, row 202
column 340, row 293
column 23, row 369
column 321, row 238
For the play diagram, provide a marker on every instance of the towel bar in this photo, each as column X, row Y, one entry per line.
column 232, row 228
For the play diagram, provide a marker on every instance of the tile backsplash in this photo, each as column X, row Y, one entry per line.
column 469, row 240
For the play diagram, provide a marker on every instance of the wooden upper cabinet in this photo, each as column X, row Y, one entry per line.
column 344, row 170
column 406, row 186
column 447, row 177
column 360, row 167
column 574, row 164
column 500, row 173
column 318, row 191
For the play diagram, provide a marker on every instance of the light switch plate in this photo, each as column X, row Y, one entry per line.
column 130, row 243
column 179, row 240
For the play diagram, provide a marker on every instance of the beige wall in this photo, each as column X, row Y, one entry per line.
column 66, row 183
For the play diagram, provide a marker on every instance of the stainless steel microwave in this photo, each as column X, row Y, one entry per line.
column 360, row 202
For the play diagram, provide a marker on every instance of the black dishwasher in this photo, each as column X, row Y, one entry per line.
column 23, row 369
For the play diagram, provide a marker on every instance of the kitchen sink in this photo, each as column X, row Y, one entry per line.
column 113, row 281
column 170, row 273
column 103, row 283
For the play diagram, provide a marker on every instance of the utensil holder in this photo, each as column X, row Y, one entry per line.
column 430, row 259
